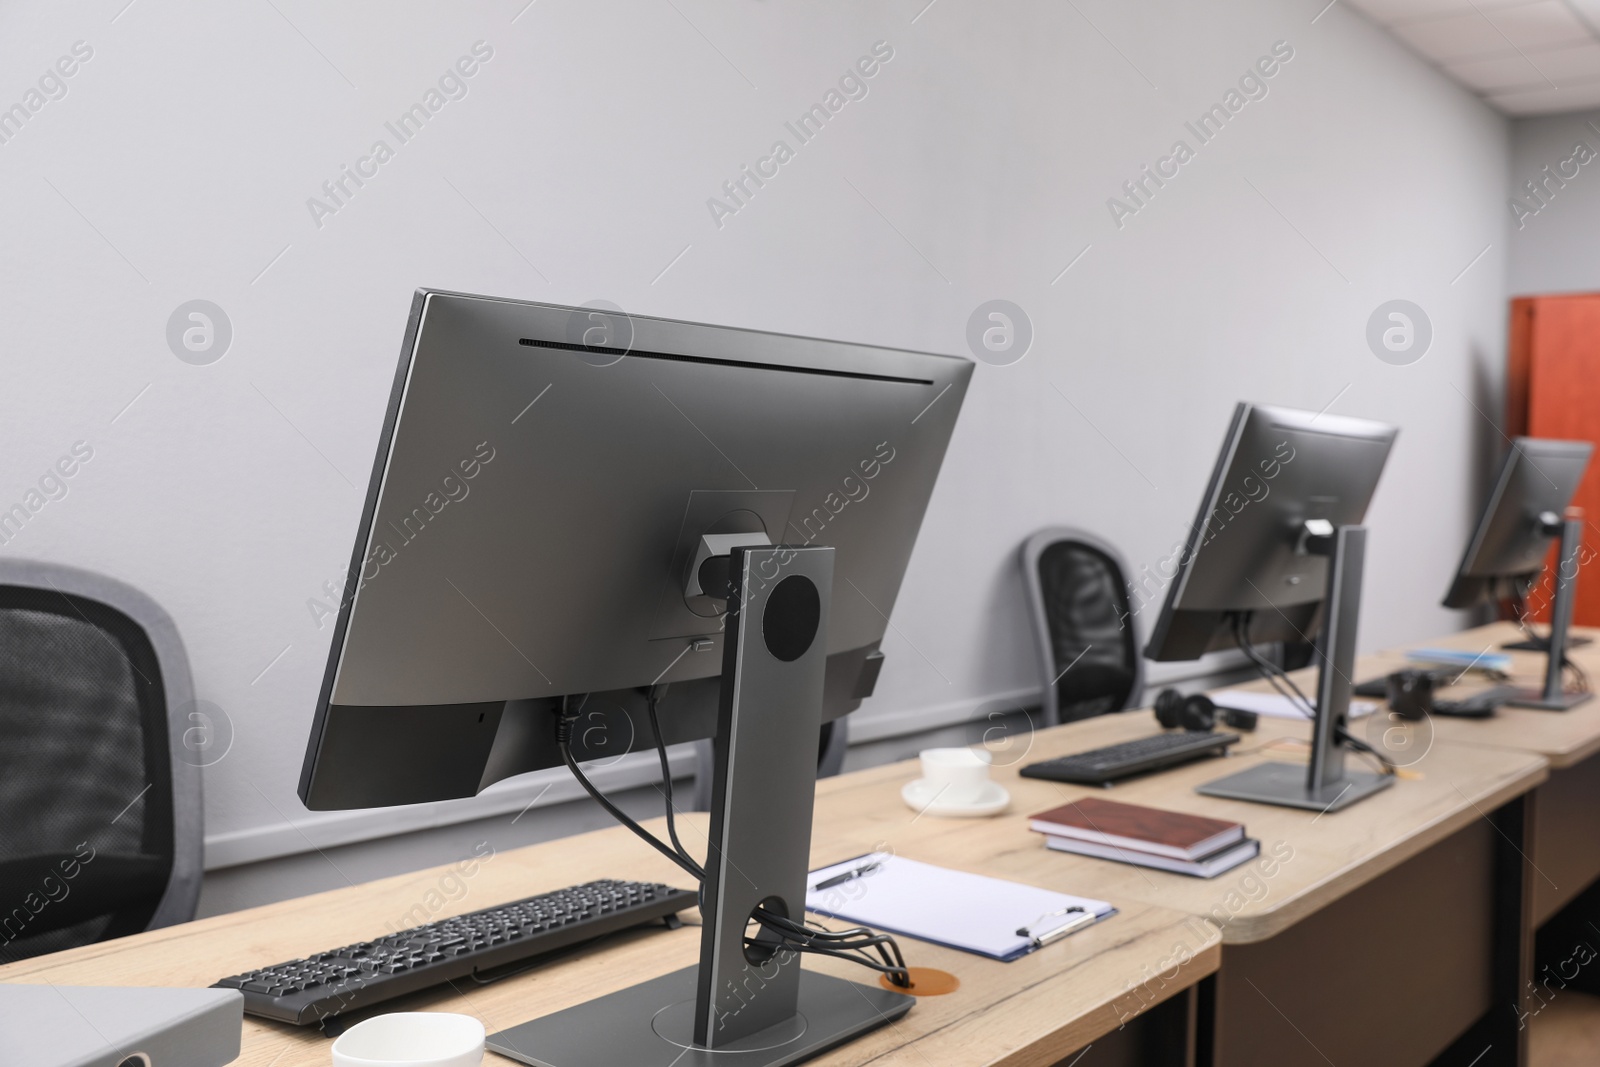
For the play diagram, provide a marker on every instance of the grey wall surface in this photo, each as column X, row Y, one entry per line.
column 186, row 158
column 1554, row 205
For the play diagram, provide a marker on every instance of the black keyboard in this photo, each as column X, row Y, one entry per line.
column 1477, row 705
column 1101, row 765
column 355, row 976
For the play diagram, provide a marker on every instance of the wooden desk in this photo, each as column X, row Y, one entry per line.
column 1141, row 964
column 1565, row 738
column 1350, row 949
column 1565, row 841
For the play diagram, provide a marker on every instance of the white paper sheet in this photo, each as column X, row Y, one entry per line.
column 952, row 908
column 1277, row 707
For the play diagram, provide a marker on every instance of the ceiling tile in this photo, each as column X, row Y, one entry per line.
column 1456, row 37
column 1567, row 66
column 1499, row 73
column 1551, row 69
column 1548, row 101
column 1546, row 24
column 1524, row 57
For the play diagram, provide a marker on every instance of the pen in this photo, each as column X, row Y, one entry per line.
column 840, row 879
column 1072, row 925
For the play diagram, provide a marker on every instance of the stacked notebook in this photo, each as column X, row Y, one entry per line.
column 1148, row 837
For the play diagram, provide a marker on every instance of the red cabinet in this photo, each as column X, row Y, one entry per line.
column 1553, row 390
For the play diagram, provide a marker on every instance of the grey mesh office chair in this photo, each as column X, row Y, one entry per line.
column 100, row 816
column 1089, row 654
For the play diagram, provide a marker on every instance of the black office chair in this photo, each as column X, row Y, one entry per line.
column 1088, row 646
column 100, row 804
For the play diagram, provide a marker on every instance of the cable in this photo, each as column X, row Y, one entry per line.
column 1268, row 670
column 1519, row 611
column 852, row 944
column 1274, row 674
column 1580, row 677
column 849, row 944
column 563, row 741
column 1385, row 765
column 652, row 697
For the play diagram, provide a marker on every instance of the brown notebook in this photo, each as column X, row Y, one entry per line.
column 1139, row 829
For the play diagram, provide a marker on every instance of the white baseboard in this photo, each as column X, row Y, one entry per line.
column 882, row 725
column 329, row 829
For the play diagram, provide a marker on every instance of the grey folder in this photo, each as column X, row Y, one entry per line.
column 104, row 1026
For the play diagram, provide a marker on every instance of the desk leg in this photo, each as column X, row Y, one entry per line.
column 1206, row 1020
column 1513, row 935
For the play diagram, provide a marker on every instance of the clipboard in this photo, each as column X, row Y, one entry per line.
column 991, row 917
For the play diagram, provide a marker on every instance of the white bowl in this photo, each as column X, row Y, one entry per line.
column 411, row 1039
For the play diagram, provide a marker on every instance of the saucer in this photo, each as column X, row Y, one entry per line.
column 925, row 798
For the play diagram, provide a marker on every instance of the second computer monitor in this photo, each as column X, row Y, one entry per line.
column 1246, row 553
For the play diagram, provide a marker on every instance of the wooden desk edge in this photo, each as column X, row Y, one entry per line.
column 1109, row 1017
column 1559, row 759
column 1262, row 926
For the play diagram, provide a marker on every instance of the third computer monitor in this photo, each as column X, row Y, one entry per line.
column 1507, row 551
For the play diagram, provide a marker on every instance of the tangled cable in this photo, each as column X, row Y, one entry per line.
column 778, row 933
column 1278, row 678
column 1519, row 610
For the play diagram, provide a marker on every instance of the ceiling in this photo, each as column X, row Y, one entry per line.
column 1525, row 57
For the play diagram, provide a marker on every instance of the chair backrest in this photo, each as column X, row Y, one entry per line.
column 1088, row 646
column 100, row 810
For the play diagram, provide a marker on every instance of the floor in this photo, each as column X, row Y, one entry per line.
column 1566, row 1032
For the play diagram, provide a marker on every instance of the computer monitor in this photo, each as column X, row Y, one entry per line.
column 1506, row 554
column 1275, row 554
column 1244, row 555
column 1525, row 511
column 571, row 509
column 538, row 497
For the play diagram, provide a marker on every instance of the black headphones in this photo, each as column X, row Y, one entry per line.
column 1196, row 712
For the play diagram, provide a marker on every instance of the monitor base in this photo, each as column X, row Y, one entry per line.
column 1573, row 641
column 1535, row 698
column 651, row 1025
column 1284, row 784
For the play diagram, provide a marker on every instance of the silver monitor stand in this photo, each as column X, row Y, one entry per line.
column 742, row 1006
column 1325, row 785
column 1553, row 697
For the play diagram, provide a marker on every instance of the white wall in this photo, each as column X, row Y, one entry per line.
column 578, row 166
column 1553, row 225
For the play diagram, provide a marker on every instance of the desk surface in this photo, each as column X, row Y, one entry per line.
column 1035, row 1011
column 1562, row 737
column 1329, row 855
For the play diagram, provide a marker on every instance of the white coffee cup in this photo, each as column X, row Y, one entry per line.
column 411, row 1039
column 955, row 775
